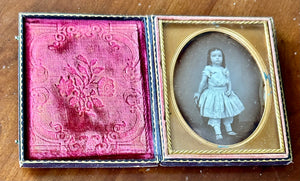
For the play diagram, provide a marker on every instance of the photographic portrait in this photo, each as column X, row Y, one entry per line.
column 246, row 88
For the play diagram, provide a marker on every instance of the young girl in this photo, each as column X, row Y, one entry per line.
column 214, row 98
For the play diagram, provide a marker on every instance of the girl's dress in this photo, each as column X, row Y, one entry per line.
column 213, row 102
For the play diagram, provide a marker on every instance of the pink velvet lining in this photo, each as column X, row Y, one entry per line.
column 87, row 89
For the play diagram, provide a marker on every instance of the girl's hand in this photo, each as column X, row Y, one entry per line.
column 196, row 97
column 228, row 93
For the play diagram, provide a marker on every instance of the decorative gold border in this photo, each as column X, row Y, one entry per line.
column 255, row 54
column 285, row 118
column 244, row 42
column 21, row 104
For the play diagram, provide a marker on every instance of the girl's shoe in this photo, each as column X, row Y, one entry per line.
column 219, row 137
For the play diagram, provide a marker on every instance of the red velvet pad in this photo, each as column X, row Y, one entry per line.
column 87, row 93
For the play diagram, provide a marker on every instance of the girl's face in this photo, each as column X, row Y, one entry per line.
column 216, row 57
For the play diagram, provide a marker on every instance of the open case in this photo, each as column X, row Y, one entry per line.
column 128, row 91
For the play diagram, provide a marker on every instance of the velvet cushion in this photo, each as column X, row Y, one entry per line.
column 87, row 93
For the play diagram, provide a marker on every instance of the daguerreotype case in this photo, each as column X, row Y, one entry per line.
column 136, row 91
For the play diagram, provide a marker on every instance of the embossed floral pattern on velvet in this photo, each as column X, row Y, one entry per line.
column 82, row 84
column 87, row 89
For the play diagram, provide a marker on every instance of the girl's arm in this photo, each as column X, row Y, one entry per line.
column 200, row 89
column 228, row 92
column 202, row 83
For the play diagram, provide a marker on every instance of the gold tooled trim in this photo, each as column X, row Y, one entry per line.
column 274, row 88
column 224, row 151
column 289, row 147
column 243, row 22
column 227, row 160
column 165, row 87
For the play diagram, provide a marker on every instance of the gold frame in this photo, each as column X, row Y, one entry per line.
column 218, row 149
column 240, row 39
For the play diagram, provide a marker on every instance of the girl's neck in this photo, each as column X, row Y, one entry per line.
column 215, row 65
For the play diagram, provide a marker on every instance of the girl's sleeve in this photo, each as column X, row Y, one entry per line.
column 206, row 71
column 226, row 72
